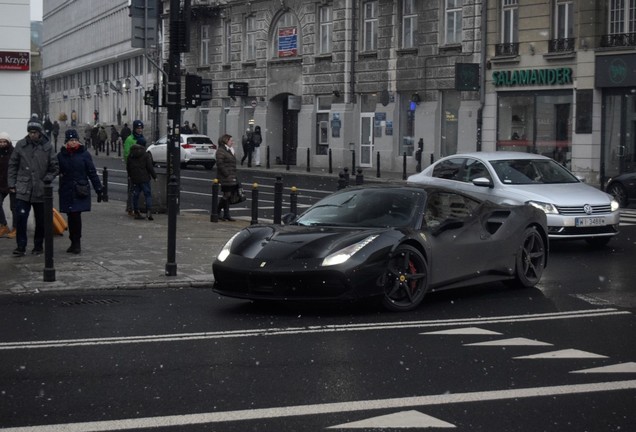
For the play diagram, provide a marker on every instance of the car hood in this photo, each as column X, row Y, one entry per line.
column 562, row 195
column 296, row 242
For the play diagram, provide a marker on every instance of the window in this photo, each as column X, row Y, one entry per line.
column 227, row 34
column 509, row 24
column 370, row 26
column 205, row 44
column 286, row 36
column 105, row 72
column 564, row 19
column 326, row 29
column 453, row 21
column 622, row 16
column 409, row 23
column 87, row 77
column 250, row 39
column 446, row 205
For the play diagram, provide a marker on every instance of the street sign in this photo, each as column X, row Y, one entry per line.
column 237, row 89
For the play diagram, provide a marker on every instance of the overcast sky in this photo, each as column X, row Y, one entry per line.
column 36, row 10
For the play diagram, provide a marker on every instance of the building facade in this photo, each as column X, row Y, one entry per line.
column 355, row 82
column 92, row 72
column 15, row 67
column 561, row 82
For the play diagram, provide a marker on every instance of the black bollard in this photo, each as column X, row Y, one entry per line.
column 346, row 176
column 119, row 143
column 432, row 158
column 330, row 163
column 107, row 148
column 105, row 185
column 254, row 220
column 308, row 160
column 173, row 203
column 293, row 200
column 378, row 165
column 353, row 161
column 49, row 269
column 278, row 200
column 214, row 211
column 359, row 177
column 404, row 166
column 341, row 180
column 267, row 158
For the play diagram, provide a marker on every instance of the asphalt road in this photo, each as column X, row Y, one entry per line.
column 560, row 357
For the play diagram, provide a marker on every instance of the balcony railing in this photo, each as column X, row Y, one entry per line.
column 507, row 49
column 618, row 40
column 561, row 45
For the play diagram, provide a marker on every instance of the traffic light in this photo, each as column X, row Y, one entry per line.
column 151, row 97
column 193, row 90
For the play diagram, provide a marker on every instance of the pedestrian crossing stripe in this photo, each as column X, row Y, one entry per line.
column 566, row 353
column 463, row 331
column 401, row 420
column 511, row 342
column 628, row 217
column 629, row 367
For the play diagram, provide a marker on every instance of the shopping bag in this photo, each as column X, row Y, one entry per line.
column 59, row 223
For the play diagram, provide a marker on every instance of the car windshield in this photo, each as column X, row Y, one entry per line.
column 364, row 208
column 199, row 140
column 532, row 171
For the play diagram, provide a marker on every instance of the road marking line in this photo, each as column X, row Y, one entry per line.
column 463, row 331
column 66, row 343
column 629, row 367
column 329, row 408
column 404, row 419
column 566, row 353
column 511, row 342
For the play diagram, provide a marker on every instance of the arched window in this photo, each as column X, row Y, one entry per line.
column 286, row 37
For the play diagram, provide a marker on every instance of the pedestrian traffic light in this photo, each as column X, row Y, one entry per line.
column 151, row 98
column 193, row 90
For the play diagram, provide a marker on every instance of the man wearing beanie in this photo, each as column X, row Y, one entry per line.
column 6, row 148
column 32, row 164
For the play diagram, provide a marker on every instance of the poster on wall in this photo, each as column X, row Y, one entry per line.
column 287, row 42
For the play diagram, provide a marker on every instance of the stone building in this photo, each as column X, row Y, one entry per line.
column 561, row 82
column 356, row 79
column 93, row 73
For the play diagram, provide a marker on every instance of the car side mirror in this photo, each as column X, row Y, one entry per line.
column 483, row 182
column 288, row 218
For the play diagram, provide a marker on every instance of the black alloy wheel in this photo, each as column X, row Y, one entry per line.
column 406, row 280
column 619, row 193
column 531, row 259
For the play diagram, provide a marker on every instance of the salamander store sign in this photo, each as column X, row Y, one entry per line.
column 13, row 60
column 532, row 77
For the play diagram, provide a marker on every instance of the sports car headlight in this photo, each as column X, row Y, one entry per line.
column 225, row 252
column 344, row 254
column 615, row 205
column 546, row 207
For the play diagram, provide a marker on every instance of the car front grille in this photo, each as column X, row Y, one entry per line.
column 578, row 210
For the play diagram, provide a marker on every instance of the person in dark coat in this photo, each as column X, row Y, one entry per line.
column 31, row 166
column 76, row 170
column 6, row 148
column 114, row 137
column 248, row 147
column 226, row 172
column 140, row 171
column 56, row 132
column 124, row 132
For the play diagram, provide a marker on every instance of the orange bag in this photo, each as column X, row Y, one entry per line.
column 59, row 223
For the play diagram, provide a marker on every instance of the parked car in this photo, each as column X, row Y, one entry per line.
column 622, row 188
column 195, row 150
column 575, row 210
column 393, row 242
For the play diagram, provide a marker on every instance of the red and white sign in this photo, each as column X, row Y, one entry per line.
column 287, row 42
column 13, row 60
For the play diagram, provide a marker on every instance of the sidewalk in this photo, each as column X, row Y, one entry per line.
column 119, row 252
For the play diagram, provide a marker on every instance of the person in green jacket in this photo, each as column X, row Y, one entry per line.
column 136, row 137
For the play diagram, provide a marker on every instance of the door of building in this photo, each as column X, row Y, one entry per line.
column 290, row 135
column 366, row 139
column 619, row 132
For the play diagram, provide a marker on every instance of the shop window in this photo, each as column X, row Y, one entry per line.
column 536, row 123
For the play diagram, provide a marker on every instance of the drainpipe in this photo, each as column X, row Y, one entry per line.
column 352, row 61
column 482, row 86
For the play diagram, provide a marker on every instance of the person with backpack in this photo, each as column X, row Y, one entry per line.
column 257, row 139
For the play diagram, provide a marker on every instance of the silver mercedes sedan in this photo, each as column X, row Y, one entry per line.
column 574, row 210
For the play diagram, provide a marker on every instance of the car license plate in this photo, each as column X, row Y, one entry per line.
column 591, row 221
column 202, row 149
